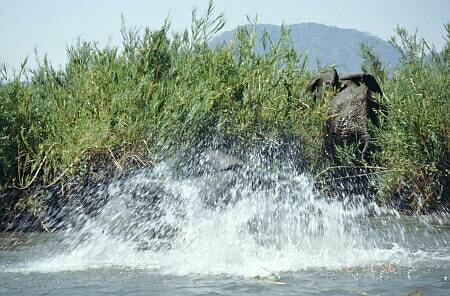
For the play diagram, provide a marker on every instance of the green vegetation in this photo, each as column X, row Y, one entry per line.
column 415, row 138
column 160, row 92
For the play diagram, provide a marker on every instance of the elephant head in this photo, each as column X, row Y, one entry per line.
column 351, row 110
column 328, row 79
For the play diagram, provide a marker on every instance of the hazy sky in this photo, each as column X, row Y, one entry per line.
column 50, row 26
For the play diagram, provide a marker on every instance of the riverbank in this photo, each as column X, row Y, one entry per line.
column 156, row 96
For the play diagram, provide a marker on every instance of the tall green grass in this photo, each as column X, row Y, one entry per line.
column 415, row 137
column 157, row 91
column 162, row 91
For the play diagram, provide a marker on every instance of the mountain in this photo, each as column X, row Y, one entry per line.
column 326, row 45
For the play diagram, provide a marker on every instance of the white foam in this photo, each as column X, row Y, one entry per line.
column 283, row 227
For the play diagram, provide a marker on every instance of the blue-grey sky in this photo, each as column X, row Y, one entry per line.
column 49, row 26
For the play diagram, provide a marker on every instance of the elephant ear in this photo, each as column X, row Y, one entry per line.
column 331, row 77
column 314, row 84
column 365, row 79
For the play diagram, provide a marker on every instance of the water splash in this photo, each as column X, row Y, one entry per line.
column 253, row 223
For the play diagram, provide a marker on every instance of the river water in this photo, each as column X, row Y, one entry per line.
column 273, row 234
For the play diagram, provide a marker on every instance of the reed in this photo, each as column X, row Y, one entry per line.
column 159, row 92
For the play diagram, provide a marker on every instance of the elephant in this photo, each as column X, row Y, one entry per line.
column 374, row 109
column 347, row 118
column 328, row 79
column 351, row 110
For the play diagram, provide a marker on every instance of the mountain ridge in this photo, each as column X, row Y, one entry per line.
column 326, row 45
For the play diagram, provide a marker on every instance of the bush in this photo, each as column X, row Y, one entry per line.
column 160, row 93
column 414, row 139
column 156, row 94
